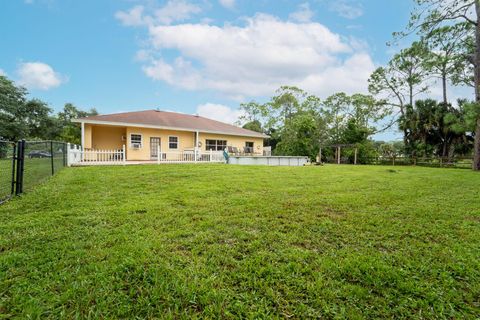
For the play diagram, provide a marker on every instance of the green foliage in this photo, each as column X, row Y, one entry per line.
column 391, row 149
column 253, row 125
column 432, row 129
column 33, row 119
column 71, row 132
column 299, row 135
column 260, row 242
column 430, row 16
column 299, row 123
column 403, row 78
column 12, row 110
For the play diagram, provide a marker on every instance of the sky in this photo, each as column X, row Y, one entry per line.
column 193, row 56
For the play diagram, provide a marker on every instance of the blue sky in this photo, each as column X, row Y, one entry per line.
column 204, row 56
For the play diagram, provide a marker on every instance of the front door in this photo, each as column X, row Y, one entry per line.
column 154, row 147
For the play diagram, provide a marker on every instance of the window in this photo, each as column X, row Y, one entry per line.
column 215, row 145
column 135, row 140
column 173, row 142
column 249, row 147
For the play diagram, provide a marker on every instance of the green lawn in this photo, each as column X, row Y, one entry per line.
column 220, row 241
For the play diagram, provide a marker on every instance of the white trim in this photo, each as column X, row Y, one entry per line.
column 139, row 125
column 178, row 143
column 130, row 140
column 83, row 135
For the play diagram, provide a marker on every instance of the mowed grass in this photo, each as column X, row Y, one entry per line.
column 224, row 241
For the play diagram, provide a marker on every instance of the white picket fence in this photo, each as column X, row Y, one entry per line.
column 190, row 157
column 78, row 156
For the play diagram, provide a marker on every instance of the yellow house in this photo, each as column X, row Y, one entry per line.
column 160, row 135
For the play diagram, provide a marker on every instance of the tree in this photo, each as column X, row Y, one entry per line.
column 12, row 110
column 401, row 80
column 429, row 15
column 39, row 121
column 252, row 111
column 254, row 125
column 334, row 111
column 299, row 136
column 431, row 128
column 71, row 132
column 447, row 47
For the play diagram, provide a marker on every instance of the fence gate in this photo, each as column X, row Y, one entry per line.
column 25, row 164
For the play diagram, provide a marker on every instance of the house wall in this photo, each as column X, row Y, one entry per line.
column 87, row 139
column 110, row 138
column 185, row 141
column 234, row 141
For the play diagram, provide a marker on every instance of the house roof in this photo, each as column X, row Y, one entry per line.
column 171, row 121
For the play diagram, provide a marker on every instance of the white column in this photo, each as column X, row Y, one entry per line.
column 158, row 155
column 124, row 154
column 196, row 149
column 83, row 135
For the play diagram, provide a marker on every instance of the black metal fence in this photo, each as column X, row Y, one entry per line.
column 25, row 164
column 7, row 169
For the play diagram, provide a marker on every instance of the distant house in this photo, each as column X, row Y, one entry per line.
column 146, row 134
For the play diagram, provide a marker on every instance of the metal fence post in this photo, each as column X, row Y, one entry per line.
column 20, row 167
column 51, row 157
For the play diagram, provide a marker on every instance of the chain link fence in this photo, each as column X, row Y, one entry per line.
column 7, row 169
column 25, row 164
column 42, row 159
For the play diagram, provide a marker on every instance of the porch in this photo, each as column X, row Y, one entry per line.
column 78, row 156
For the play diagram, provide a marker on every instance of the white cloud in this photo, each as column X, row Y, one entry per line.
column 303, row 14
column 229, row 4
column 346, row 9
column 39, row 75
column 133, row 17
column 219, row 112
column 258, row 57
column 172, row 11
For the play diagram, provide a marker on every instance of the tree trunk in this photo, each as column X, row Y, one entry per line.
column 411, row 95
column 476, row 152
column 444, row 87
column 446, row 144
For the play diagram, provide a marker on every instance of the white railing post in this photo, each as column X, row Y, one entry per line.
column 211, row 153
column 158, row 155
column 69, row 152
column 124, row 158
column 195, row 151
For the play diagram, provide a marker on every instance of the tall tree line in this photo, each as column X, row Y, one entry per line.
column 447, row 49
column 23, row 118
column 300, row 123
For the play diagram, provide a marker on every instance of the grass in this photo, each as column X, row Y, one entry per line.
column 219, row 241
column 36, row 170
column 5, row 178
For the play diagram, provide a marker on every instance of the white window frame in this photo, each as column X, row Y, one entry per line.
column 130, row 138
column 178, row 143
column 216, row 144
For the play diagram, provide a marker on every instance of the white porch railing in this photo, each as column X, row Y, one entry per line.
column 190, row 157
column 78, row 156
